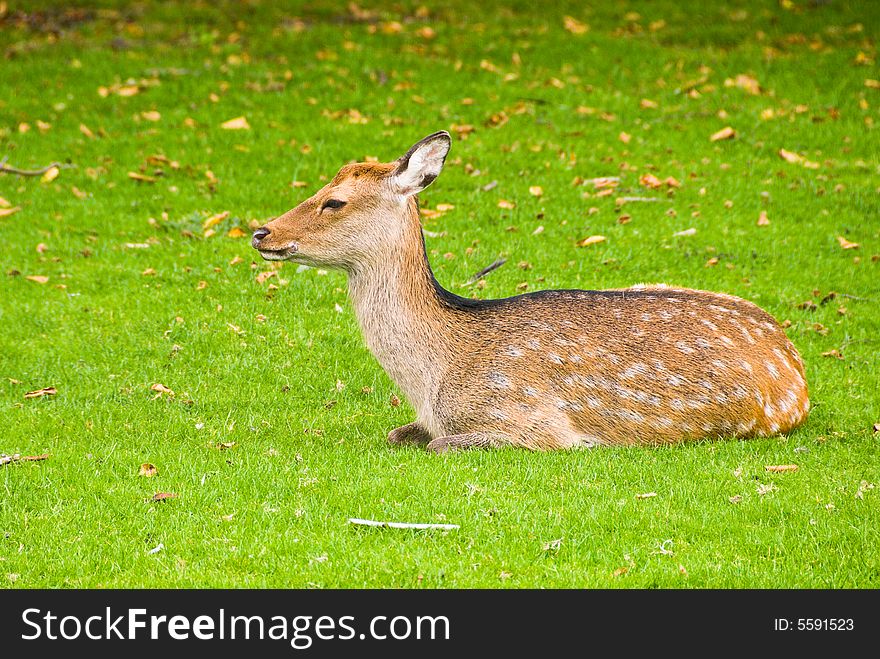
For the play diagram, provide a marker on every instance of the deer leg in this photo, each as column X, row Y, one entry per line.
column 462, row 442
column 411, row 433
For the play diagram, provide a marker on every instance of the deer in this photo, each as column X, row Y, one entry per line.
column 551, row 369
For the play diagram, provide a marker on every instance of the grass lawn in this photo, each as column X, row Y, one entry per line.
column 275, row 431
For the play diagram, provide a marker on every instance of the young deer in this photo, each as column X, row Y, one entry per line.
column 545, row 370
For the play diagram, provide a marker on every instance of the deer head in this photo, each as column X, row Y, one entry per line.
column 359, row 216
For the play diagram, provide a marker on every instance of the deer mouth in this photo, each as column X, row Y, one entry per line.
column 278, row 254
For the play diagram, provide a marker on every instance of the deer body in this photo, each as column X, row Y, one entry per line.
column 546, row 370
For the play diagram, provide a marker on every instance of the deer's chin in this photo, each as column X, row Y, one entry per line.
column 285, row 254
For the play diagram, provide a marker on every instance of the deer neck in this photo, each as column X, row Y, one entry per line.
column 403, row 318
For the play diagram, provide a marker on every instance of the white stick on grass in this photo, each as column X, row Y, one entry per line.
column 401, row 525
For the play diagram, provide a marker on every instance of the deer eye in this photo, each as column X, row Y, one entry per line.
column 333, row 203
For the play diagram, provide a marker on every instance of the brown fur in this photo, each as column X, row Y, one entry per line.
column 554, row 369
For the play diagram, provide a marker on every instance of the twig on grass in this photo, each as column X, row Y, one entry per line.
column 401, row 525
column 6, row 459
column 485, row 271
column 9, row 169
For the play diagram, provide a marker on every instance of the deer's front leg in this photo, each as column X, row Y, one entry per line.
column 411, row 433
column 462, row 442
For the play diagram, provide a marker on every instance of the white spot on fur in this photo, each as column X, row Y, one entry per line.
column 769, row 410
column 534, row 344
column 726, row 341
column 646, row 317
column 744, row 427
column 499, row 381
column 676, row 380
column 708, row 323
column 556, row 359
column 744, row 365
column 771, row 369
column 498, row 414
column 513, row 351
column 636, row 369
column 684, row 348
column 702, row 342
column 677, row 404
column 664, row 422
column 595, row 403
column 575, row 359
column 530, row 391
column 630, row 415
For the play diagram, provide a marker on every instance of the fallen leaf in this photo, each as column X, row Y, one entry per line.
column 39, row 393
column 394, row 400
column 763, row 220
column 149, row 272
column 148, row 470
column 763, row 489
column 574, row 26
column 151, row 115
column 507, row 205
column 50, row 175
column 141, row 177
column 6, row 212
column 85, row 130
column 40, row 279
column 780, row 468
column 648, row 104
column 223, row 446
column 736, row 498
column 833, row 353
column 646, row 495
column 590, row 240
column 160, row 389
column 797, row 159
column 845, row 244
column 686, row 232
column 624, row 137
column 535, row 191
column 263, row 276
column 235, row 232
column 553, row 545
column 650, row 181
column 162, row 496
column 619, row 572
column 745, row 82
column 725, row 133
column 215, row 220
column 239, row 123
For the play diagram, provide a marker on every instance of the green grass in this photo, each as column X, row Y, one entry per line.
column 260, row 367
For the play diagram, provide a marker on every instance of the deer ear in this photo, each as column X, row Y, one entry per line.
column 419, row 166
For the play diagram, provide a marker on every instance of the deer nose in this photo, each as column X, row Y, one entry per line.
column 259, row 234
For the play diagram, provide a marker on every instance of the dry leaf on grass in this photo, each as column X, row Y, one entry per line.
column 40, row 279
column 162, row 496
column 143, row 178
column 781, row 468
column 590, row 240
column 797, row 159
column 845, row 244
column 763, row 220
column 552, row 545
column 148, row 470
column 160, row 389
column 7, row 459
column 536, row 190
column 574, row 26
column 6, row 212
column 646, row 495
column 39, row 393
column 238, row 123
column 507, row 205
column 725, row 133
column 836, row 354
